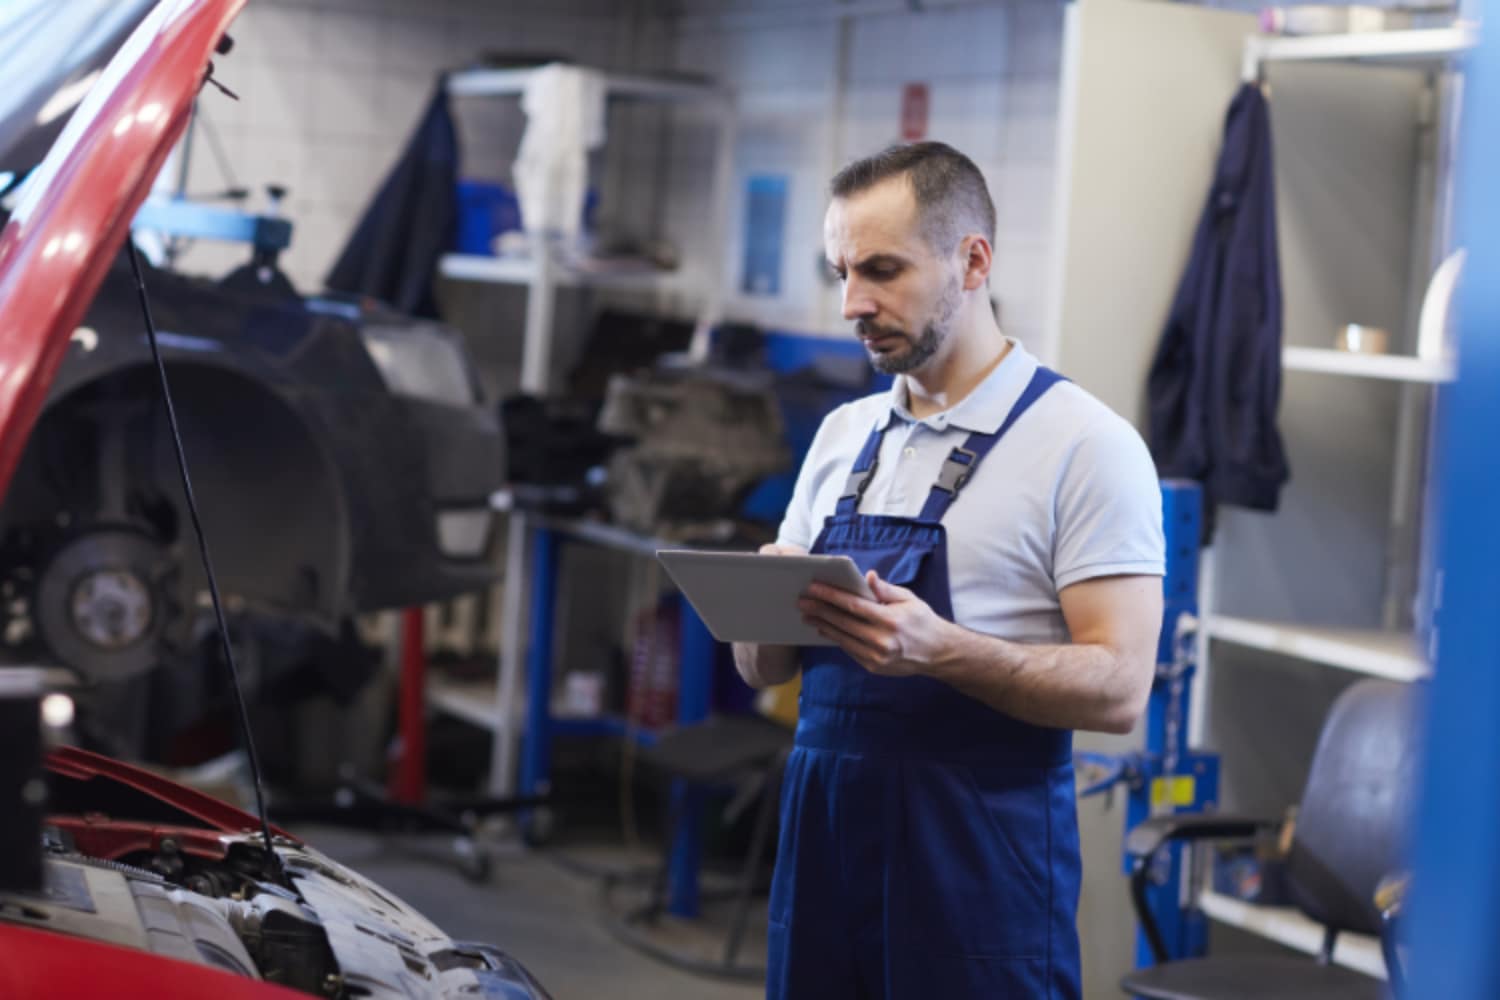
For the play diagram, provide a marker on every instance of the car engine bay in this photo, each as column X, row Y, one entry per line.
column 124, row 864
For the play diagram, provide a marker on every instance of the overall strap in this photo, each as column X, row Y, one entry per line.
column 862, row 473
column 960, row 464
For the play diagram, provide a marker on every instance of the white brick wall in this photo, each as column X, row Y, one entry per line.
column 991, row 72
column 1023, row 199
column 331, row 89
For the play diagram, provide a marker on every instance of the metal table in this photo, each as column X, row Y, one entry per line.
column 695, row 684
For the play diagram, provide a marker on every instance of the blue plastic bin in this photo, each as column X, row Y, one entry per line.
column 485, row 210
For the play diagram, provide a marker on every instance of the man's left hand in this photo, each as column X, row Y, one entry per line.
column 896, row 635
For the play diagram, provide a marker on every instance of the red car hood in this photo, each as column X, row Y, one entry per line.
column 76, row 210
column 82, row 765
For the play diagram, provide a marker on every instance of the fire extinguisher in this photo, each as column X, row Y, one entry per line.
column 651, row 697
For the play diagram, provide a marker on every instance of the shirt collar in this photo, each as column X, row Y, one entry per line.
column 984, row 409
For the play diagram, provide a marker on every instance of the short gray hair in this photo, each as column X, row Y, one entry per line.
column 951, row 195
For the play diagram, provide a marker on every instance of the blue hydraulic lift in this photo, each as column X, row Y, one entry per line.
column 1167, row 776
column 1456, row 889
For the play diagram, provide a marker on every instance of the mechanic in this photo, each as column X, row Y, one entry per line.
column 1009, row 525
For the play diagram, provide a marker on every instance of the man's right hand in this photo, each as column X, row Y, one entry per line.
column 762, row 666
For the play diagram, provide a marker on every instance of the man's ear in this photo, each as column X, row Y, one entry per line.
column 977, row 257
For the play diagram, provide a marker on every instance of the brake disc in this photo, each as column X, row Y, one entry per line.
column 101, row 603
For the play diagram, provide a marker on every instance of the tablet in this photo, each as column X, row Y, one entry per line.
column 748, row 597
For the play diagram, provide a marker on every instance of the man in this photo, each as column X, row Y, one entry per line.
column 1009, row 525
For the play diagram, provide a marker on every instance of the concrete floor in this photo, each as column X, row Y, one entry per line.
column 543, row 909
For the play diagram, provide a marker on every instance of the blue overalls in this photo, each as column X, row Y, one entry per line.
column 929, row 844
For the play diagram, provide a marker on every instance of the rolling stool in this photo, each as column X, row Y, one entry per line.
column 719, row 750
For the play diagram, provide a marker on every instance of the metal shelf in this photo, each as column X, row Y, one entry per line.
column 512, row 83
column 1288, row 926
column 474, row 702
column 1401, row 368
column 1392, row 655
column 1421, row 47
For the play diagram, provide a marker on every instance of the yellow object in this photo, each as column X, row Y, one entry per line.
column 1184, row 789
column 1390, row 894
column 779, row 703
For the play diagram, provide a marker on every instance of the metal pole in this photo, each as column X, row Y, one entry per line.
column 536, row 366
column 512, row 647
column 536, row 761
column 536, row 357
column 408, row 783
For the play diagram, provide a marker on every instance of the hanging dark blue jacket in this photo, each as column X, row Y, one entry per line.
column 1216, row 380
column 411, row 221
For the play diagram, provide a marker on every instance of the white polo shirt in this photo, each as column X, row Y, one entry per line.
column 1068, row 493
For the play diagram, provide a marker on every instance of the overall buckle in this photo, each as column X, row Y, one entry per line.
column 856, row 484
column 955, row 473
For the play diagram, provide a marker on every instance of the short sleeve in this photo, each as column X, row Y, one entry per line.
column 1108, row 508
column 798, row 525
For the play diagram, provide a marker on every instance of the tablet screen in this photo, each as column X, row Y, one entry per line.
column 747, row 597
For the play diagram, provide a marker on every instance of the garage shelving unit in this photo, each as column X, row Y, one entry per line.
column 1386, row 366
column 544, row 272
column 499, row 707
column 1389, row 652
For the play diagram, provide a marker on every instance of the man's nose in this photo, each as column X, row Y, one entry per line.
column 858, row 302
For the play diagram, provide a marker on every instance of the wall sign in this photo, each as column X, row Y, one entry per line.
column 765, row 232
column 914, row 112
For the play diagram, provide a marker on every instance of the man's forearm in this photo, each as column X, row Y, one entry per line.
column 764, row 666
column 1076, row 686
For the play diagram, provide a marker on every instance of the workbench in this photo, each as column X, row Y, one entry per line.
column 695, row 684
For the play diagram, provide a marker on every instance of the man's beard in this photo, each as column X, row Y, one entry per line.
column 920, row 349
column 917, row 353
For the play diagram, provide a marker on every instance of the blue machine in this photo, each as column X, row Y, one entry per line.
column 1167, row 777
column 1457, row 872
column 180, row 217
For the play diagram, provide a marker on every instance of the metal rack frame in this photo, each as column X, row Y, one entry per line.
column 1415, row 47
column 541, row 276
column 1377, row 652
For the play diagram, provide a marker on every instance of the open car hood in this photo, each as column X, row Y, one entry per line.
column 131, row 781
column 53, row 53
column 76, row 209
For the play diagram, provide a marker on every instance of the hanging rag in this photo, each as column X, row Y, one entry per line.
column 564, row 108
column 411, row 222
column 1215, row 382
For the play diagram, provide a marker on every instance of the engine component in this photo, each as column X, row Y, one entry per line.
column 290, row 947
column 101, row 601
column 332, row 934
column 131, row 910
column 703, row 440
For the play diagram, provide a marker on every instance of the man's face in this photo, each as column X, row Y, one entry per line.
column 900, row 293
